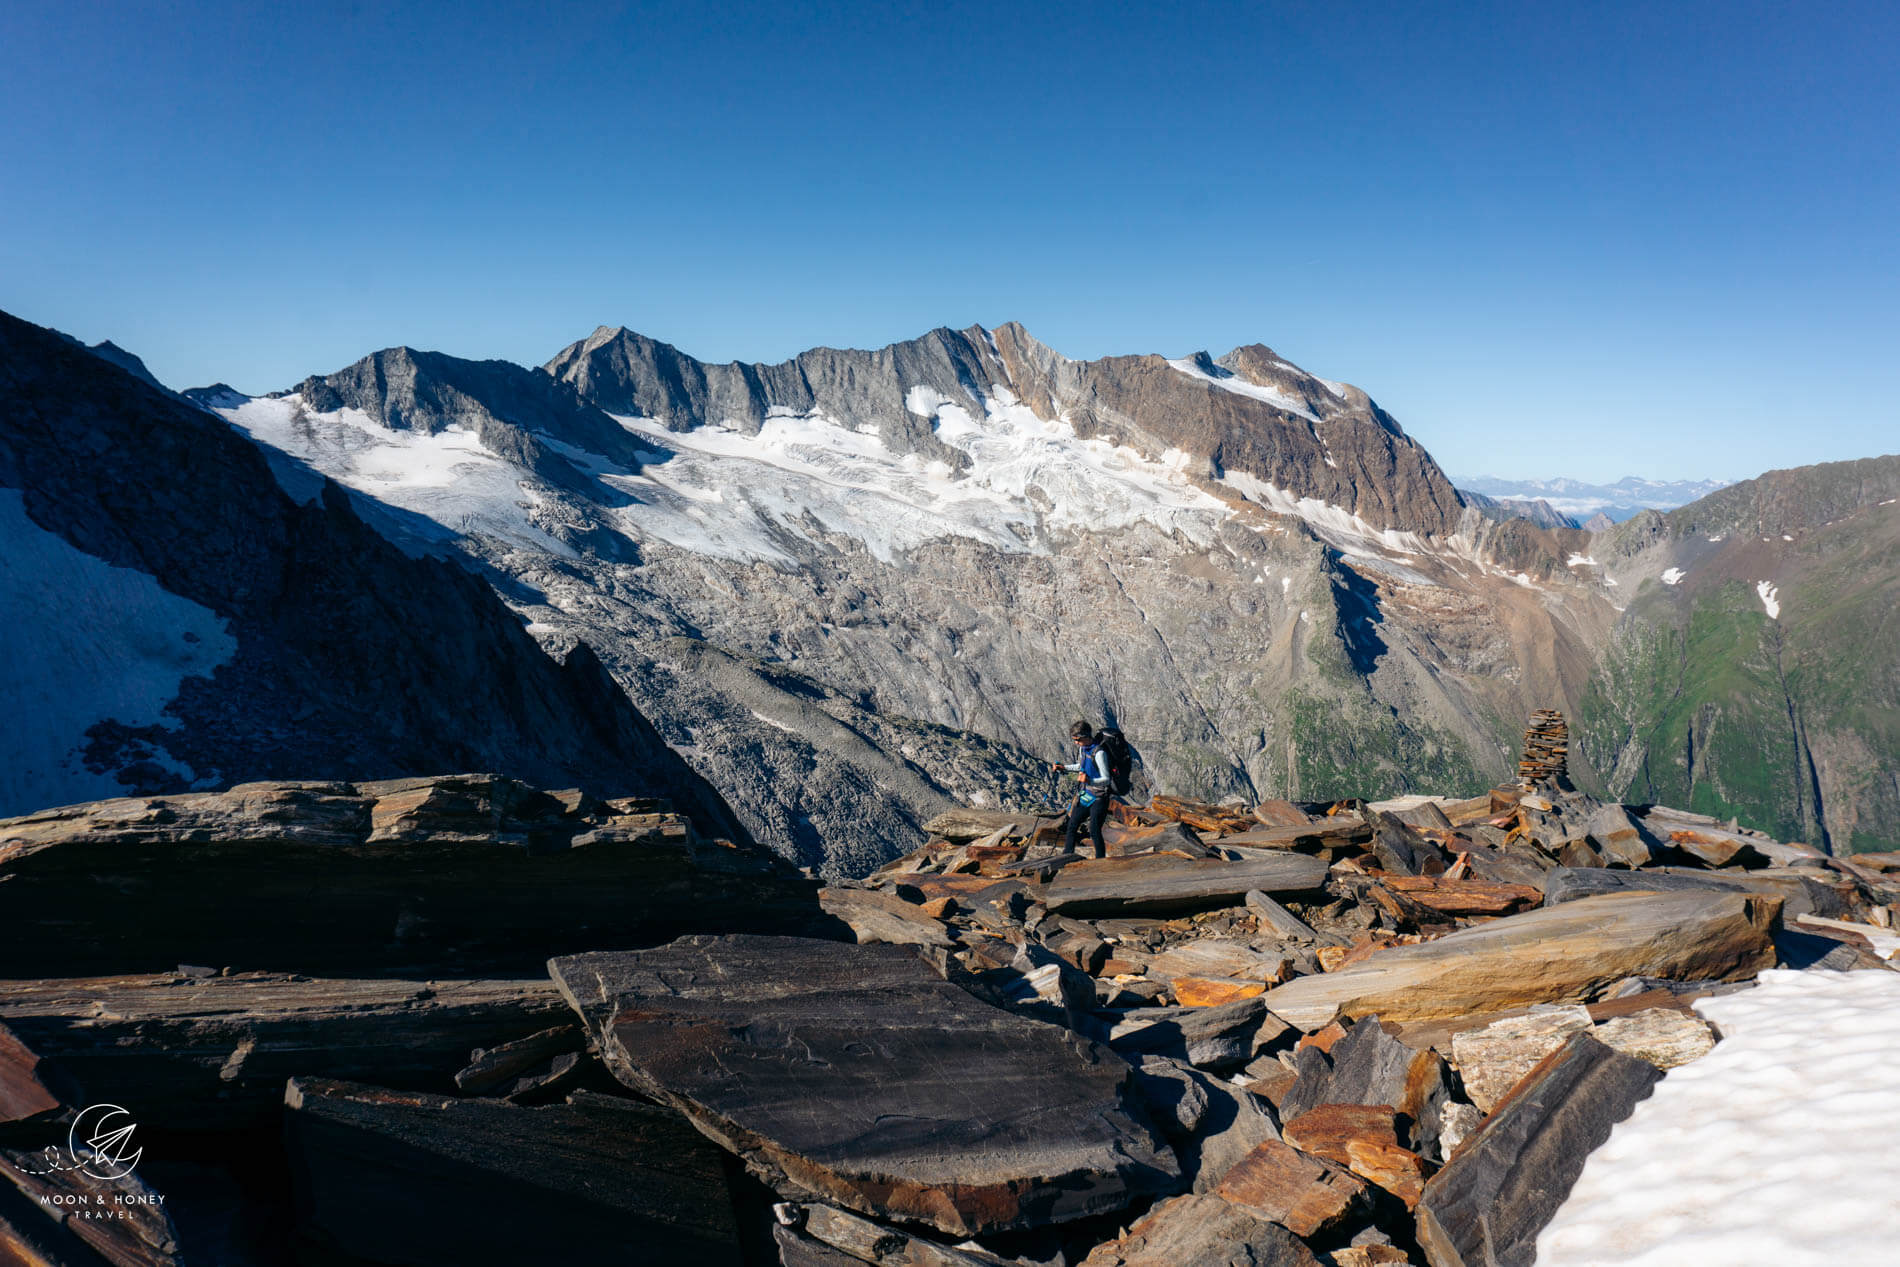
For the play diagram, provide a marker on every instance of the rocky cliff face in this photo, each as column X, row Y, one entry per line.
column 1756, row 672
column 177, row 621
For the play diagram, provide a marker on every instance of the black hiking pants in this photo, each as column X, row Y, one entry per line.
column 1095, row 814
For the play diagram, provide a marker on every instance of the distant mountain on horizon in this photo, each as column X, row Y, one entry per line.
column 1580, row 499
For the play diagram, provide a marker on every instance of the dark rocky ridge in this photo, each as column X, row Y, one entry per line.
column 352, row 659
column 512, row 410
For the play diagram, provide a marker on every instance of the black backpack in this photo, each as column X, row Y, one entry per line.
column 1120, row 758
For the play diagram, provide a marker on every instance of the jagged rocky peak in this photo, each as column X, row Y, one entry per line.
column 1249, row 414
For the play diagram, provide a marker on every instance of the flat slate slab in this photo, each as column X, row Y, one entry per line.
column 854, row 1074
column 1556, row 954
column 1801, row 894
column 212, row 1053
column 1159, row 883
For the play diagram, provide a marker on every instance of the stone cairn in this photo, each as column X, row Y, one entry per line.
column 1546, row 748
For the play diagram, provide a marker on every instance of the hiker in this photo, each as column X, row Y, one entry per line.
column 1091, row 770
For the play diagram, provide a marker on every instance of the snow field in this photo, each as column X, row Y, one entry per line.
column 84, row 642
column 1774, row 1150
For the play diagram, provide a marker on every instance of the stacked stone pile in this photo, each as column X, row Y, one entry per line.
column 1546, row 749
column 491, row 1024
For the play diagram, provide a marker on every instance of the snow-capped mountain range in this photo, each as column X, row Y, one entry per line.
column 1580, row 500
column 854, row 587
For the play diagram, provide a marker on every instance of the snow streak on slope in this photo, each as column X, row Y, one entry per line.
column 84, row 642
column 1774, row 1150
column 1229, row 381
column 1770, row 602
column 448, row 477
column 720, row 492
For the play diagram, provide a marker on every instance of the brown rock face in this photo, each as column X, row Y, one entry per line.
column 856, row 1074
column 1556, row 954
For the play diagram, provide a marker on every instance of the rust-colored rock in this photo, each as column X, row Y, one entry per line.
column 1202, row 1229
column 1364, row 1139
column 1303, row 1194
column 1214, row 991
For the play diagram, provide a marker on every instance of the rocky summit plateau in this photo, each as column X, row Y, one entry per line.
column 461, row 1020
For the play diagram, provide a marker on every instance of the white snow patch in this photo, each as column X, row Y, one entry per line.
column 1305, row 619
column 725, row 493
column 1524, row 579
column 1717, row 538
column 1581, row 561
column 1673, row 576
column 1769, row 601
column 84, row 642
column 1286, row 584
column 1786, row 537
column 1227, row 380
column 1890, row 501
column 448, row 477
column 1774, row 1150
column 770, row 721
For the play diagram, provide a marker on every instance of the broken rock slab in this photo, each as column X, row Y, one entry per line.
column 1486, row 1207
column 1555, row 954
column 859, row 1240
column 1166, row 884
column 402, row 1177
column 1223, row 1037
column 875, row 917
column 855, row 1074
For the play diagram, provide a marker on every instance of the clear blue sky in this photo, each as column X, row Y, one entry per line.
column 1585, row 239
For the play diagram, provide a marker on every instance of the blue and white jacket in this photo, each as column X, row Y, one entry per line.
column 1094, row 764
